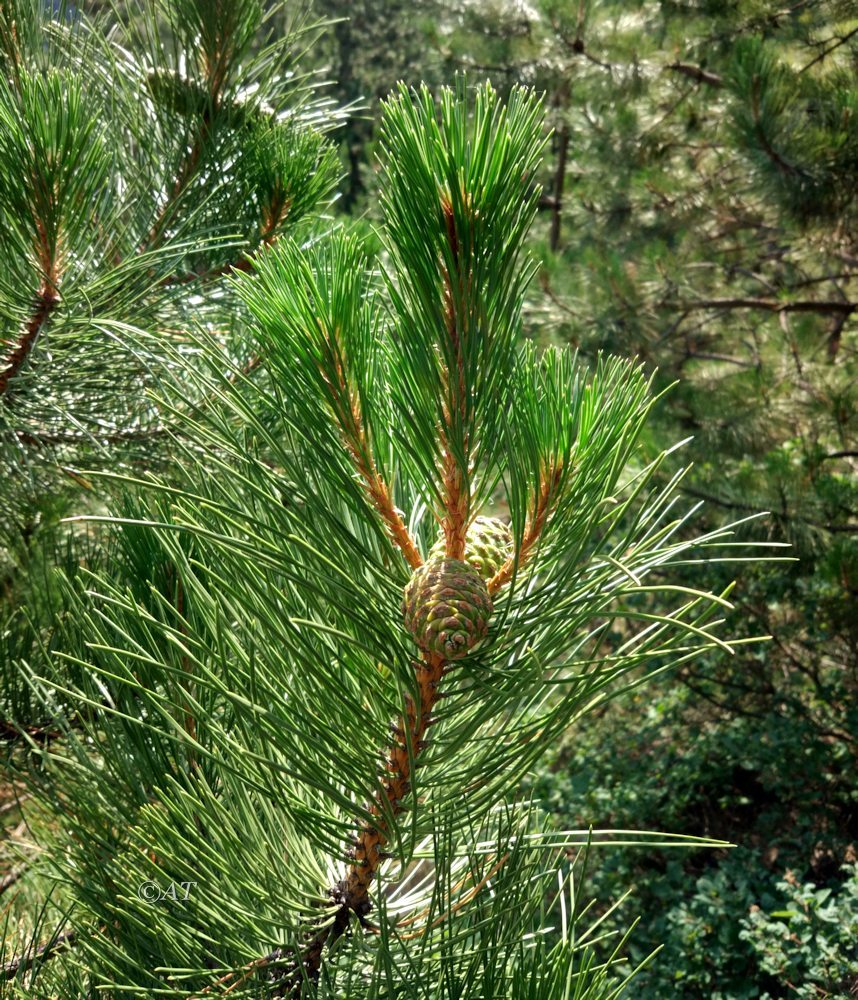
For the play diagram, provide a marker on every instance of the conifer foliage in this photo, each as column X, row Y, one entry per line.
column 140, row 163
column 249, row 715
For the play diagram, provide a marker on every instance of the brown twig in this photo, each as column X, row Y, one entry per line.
column 47, row 298
column 25, row 962
column 771, row 305
column 782, row 164
column 39, row 734
column 368, row 854
column 345, row 403
column 456, row 494
column 696, row 73
column 352, row 893
column 216, row 64
column 379, row 495
column 46, row 301
column 8, row 880
column 550, row 480
column 185, row 176
column 825, row 53
column 348, row 413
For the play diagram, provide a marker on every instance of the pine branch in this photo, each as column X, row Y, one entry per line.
column 180, row 185
column 48, row 438
column 353, row 891
column 380, row 497
column 47, row 299
column 39, row 734
column 347, row 412
column 783, row 165
column 456, row 496
column 847, row 529
column 46, row 302
column 771, row 305
column 696, row 73
column 275, row 215
column 826, row 52
column 356, row 440
column 215, row 69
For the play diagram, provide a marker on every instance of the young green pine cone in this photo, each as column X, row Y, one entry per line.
column 447, row 607
column 488, row 545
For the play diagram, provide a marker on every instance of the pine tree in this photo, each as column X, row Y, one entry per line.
column 282, row 702
column 143, row 159
column 369, row 44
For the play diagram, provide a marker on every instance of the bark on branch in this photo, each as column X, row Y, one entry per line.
column 352, row 893
column 772, row 305
column 456, row 491
column 696, row 73
column 46, row 301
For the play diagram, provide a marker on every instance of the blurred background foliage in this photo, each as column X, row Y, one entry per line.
column 699, row 212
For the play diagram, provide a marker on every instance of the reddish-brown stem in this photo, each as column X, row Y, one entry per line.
column 352, row 893
column 379, row 495
column 345, row 403
column 47, row 298
column 397, row 782
column 46, row 301
column 456, row 493
column 456, row 504
column 549, row 482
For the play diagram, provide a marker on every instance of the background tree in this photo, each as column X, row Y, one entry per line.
column 313, row 674
column 367, row 46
